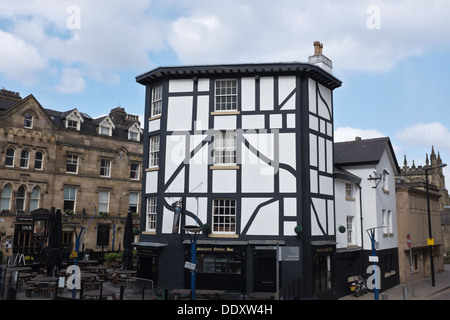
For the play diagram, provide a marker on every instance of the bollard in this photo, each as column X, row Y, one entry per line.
column 405, row 293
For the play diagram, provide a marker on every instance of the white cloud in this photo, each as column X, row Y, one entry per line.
column 71, row 81
column 349, row 134
column 426, row 135
column 19, row 60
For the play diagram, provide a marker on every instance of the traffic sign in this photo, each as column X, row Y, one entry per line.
column 408, row 241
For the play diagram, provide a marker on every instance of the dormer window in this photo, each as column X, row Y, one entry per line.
column 106, row 127
column 28, row 121
column 134, row 132
column 73, row 120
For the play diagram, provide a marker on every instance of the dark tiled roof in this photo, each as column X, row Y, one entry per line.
column 359, row 152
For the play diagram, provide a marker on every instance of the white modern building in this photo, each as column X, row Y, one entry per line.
column 247, row 150
column 365, row 199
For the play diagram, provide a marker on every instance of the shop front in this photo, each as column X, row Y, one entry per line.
column 220, row 265
column 148, row 258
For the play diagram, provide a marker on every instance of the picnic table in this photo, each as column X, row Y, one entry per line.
column 99, row 270
column 120, row 275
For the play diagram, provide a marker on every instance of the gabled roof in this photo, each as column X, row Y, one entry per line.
column 361, row 152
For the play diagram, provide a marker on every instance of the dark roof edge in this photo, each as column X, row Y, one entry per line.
column 224, row 69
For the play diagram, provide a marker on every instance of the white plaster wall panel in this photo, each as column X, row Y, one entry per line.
column 313, row 123
column 167, row 220
column 266, row 221
column 266, row 93
column 286, row 86
column 257, row 176
column 202, row 121
column 203, row 85
column 329, row 156
column 248, row 94
column 320, row 207
column 183, row 85
column 225, row 123
column 313, row 181
column 151, row 185
column 198, row 166
column 290, row 207
column 330, row 129
column 323, row 126
column 175, row 153
column 290, row 122
column 326, row 185
column 288, row 181
column 263, row 142
column 177, row 185
column 331, row 222
column 179, row 114
column 313, row 150
column 253, row 121
column 288, row 148
column 276, row 121
column 224, row 181
column 322, row 154
column 312, row 96
column 326, row 95
column 249, row 205
column 154, row 125
column 198, row 141
column 289, row 227
column 191, row 206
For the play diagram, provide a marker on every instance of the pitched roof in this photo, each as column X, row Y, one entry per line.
column 360, row 151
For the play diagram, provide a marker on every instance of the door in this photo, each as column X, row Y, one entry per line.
column 265, row 271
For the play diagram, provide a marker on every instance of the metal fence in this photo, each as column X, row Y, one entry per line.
column 137, row 289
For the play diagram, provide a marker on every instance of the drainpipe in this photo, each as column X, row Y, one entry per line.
column 361, row 221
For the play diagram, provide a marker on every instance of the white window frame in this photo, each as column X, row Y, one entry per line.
column 103, row 201
column 133, row 201
column 28, row 121
column 350, row 224
column 154, row 145
column 10, row 157
column 71, row 196
column 135, row 173
column 226, row 95
column 156, row 106
column 35, row 198
column 39, row 161
column 73, row 124
column 152, row 208
column 5, row 201
column 224, row 216
column 70, row 162
column 21, row 200
column 225, row 148
column 24, row 159
column 105, row 168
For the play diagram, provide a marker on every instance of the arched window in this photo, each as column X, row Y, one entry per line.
column 28, row 121
column 5, row 203
column 20, row 199
column 24, row 157
column 34, row 200
column 9, row 162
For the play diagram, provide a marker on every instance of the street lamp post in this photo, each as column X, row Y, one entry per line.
column 430, row 237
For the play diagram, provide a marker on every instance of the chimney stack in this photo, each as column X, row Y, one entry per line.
column 319, row 59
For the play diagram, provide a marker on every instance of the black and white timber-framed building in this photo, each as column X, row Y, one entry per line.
column 248, row 150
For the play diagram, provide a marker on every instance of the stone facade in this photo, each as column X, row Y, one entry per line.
column 66, row 160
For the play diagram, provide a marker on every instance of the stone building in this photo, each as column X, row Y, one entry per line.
column 413, row 216
column 87, row 167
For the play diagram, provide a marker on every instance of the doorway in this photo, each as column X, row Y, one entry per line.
column 265, row 271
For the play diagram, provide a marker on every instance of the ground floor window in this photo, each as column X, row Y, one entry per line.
column 219, row 264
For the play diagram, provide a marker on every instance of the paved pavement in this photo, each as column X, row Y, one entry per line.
column 423, row 290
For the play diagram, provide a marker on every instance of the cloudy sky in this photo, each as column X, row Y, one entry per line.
column 392, row 56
